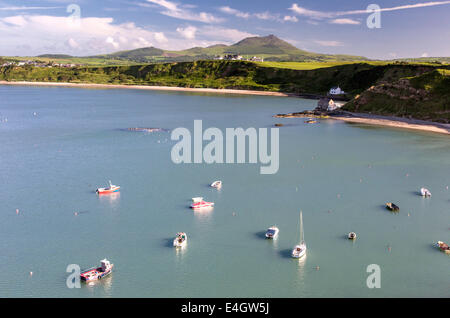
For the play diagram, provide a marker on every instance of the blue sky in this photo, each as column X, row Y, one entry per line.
column 408, row 28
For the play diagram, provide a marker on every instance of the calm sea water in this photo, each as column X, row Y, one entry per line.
column 339, row 174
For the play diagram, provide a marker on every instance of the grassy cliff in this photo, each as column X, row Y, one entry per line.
column 425, row 96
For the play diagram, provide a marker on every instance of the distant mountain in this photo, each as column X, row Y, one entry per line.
column 56, row 56
column 270, row 47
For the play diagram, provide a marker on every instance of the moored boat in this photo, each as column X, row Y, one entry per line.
column 392, row 207
column 310, row 121
column 352, row 236
column 217, row 184
column 180, row 240
column 272, row 232
column 425, row 192
column 111, row 189
column 443, row 247
column 96, row 273
column 198, row 203
column 300, row 249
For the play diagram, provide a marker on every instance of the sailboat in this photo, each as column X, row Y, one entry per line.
column 300, row 249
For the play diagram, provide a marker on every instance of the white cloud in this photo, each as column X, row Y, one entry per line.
column 72, row 43
column 173, row 10
column 329, row 43
column 266, row 16
column 188, row 32
column 222, row 34
column 345, row 21
column 259, row 15
column 92, row 36
column 160, row 37
column 235, row 12
column 88, row 36
column 24, row 8
column 290, row 18
column 110, row 40
column 309, row 13
column 323, row 15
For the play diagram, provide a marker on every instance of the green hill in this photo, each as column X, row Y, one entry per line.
column 270, row 47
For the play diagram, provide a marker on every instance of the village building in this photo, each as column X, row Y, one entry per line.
column 336, row 91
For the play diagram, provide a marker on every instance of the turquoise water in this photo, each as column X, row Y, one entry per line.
column 338, row 174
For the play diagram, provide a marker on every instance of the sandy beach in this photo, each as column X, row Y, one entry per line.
column 397, row 122
column 157, row 88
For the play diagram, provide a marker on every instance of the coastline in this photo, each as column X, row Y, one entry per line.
column 391, row 121
column 156, row 88
column 356, row 118
column 375, row 120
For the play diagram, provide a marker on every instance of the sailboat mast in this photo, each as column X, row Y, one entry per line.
column 302, row 238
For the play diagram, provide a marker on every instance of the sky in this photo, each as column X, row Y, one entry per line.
column 407, row 28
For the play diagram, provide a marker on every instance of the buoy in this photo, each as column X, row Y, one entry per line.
column 317, row 268
column 31, row 273
column 76, row 213
column 17, row 211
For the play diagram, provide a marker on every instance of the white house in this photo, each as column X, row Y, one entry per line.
column 336, row 91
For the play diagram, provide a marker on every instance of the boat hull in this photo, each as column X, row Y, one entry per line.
column 107, row 191
column 202, row 205
column 296, row 253
column 95, row 274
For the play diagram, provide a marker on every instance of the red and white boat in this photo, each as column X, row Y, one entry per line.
column 198, row 203
column 97, row 273
column 443, row 247
column 111, row 189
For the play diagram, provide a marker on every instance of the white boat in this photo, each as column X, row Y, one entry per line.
column 425, row 192
column 217, row 184
column 300, row 249
column 198, row 203
column 180, row 240
column 352, row 236
column 272, row 232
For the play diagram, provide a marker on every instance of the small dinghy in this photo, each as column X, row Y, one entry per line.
column 111, row 189
column 180, row 240
column 198, row 203
column 217, row 184
column 300, row 249
column 272, row 232
column 443, row 247
column 425, row 192
column 310, row 121
column 392, row 207
column 97, row 273
column 352, row 236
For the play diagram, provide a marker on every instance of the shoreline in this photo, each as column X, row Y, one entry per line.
column 392, row 121
column 375, row 120
column 148, row 87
